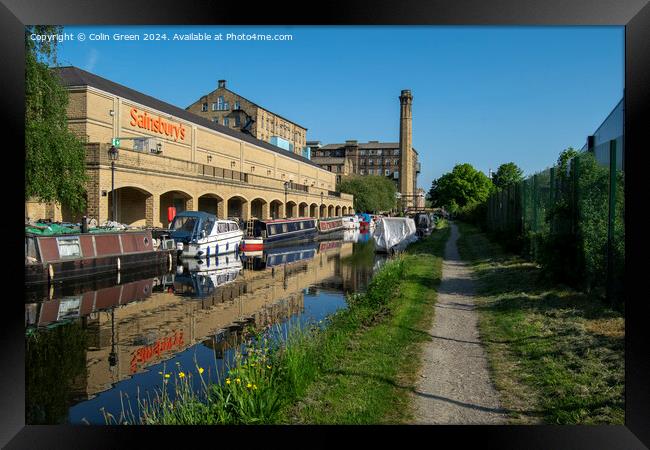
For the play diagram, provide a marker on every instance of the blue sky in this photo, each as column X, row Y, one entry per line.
column 483, row 95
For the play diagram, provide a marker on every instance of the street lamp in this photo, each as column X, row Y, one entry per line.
column 113, row 154
column 286, row 187
column 321, row 204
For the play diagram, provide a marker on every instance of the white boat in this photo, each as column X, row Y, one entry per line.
column 200, row 235
column 394, row 234
column 350, row 223
column 351, row 235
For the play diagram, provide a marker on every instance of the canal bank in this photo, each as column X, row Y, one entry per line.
column 356, row 369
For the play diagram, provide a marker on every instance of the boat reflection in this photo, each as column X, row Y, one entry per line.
column 118, row 337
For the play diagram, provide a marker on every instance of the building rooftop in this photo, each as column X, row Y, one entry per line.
column 73, row 76
column 365, row 146
column 223, row 87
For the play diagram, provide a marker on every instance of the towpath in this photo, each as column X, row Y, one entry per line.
column 454, row 386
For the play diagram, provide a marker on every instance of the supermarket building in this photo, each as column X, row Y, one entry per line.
column 170, row 157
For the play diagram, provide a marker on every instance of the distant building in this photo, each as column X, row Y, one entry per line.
column 419, row 200
column 234, row 111
column 390, row 159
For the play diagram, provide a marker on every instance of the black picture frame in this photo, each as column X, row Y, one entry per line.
column 633, row 14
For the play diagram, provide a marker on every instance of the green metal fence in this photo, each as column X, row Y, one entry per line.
column 571, row 219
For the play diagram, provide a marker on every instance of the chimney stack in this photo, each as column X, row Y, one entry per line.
column 406, row 181
column 222, row 84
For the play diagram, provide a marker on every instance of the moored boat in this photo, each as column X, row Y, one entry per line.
column 330, row 224
column 394, row 234
column 200, row 235
column 350, row 222
column 55, row 253
column 261, row 233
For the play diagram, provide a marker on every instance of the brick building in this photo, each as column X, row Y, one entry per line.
column 234, row 111
column 390, row 159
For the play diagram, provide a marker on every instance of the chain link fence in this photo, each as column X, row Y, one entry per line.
column 571, row 219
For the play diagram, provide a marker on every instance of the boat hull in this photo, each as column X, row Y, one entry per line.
column 213, row 246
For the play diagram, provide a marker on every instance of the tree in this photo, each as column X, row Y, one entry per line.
column 371, row 193
column 54, row 156
column 506, row 175
column 462, row 186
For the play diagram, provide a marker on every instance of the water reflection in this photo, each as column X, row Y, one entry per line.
column 93, row 344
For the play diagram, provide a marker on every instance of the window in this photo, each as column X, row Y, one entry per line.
column 396, row 152
column 215, row 119
column 226, row 122
column 379, row 152
column 204, row 107
column 237, row 106
column 362, row 172
column 183, row 224
column 362, row 152
column 214, row 107
column 284, row 227
column 69, row 247
column 237, row 121
column 233, row 227
column 370, row 162
column 226, row 106
column 387, row 172
column 396, row 162
column 220, row 103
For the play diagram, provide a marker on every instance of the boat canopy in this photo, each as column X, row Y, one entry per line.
column 394, row 231
column 188, row 225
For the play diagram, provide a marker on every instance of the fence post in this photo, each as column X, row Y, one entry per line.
column 611, row 221
column 552, row 200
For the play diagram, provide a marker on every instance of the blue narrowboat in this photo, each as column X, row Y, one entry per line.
column 260, row 233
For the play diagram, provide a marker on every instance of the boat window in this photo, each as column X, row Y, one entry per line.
column 69, row 247
column 183, row 224
column 302, row 225
column 292, row 226
column 223, row 227
column 284, row 227
column 208, row 224
column 234, row 227
column 271, row 230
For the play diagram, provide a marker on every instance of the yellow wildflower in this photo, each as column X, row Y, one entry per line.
column 254, row 387
column 181, row 374
column 249, row 385
column 237, row 380
column 227, row 380
column 268, row 367
column 166, row 375
column 200, row 369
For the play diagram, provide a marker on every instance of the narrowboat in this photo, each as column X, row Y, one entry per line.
column 55, row 254
column 330, row 224
column 260, row 233
column 350, row 222
column 424, row 225
column 200, row 234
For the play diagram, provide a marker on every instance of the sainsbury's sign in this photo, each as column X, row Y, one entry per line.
column 157, row 124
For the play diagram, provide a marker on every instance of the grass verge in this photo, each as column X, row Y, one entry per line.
column 367, row 367
column 556, row 355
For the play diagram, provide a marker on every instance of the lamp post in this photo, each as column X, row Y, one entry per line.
column 321, row 205
column 113, row 154
column 286, row 187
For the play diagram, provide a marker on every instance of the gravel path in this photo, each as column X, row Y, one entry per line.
column 453, row 386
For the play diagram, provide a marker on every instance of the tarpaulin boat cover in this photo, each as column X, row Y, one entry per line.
column 394, row 233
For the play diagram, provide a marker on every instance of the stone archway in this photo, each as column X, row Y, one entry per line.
column 330, row 211
column 338, row 211
column 313, row 210
column 277, row 209
column 292, row 209
column 323, row 211
column 180, row 200
column 303, row 209
column 238, row 208
column 211, row 203
column 259, row 208
column 131, row 206
column 344, row 211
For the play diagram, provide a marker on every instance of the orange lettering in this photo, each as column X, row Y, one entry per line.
column 134, row 115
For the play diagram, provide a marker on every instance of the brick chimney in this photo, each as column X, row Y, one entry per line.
column 405, row 145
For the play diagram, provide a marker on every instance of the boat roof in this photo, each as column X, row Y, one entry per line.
column 297, row 219
column 202, row 215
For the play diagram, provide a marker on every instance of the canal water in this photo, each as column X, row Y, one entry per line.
column 98, row 345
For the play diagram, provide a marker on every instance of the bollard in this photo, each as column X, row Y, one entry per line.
column 118, row 263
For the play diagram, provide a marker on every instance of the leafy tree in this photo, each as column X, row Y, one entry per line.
column 371, row 193
column 54, row 156
column 462, row 186
column 507, row 174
